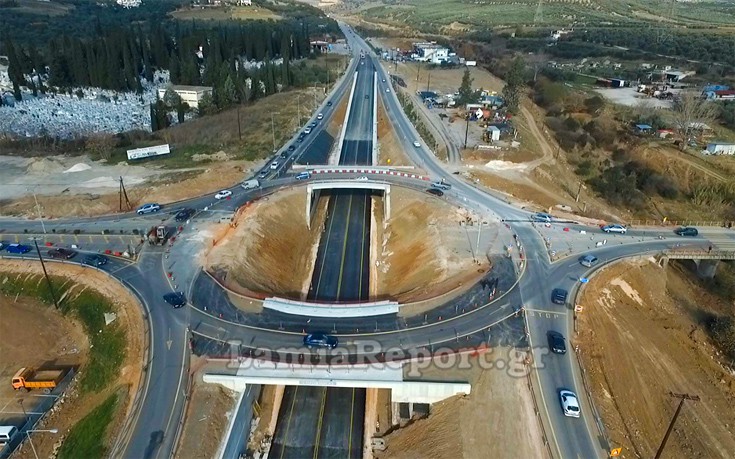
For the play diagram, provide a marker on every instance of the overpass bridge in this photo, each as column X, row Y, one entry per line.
column 706, row 258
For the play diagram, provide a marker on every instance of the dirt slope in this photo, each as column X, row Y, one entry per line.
column 640, row 339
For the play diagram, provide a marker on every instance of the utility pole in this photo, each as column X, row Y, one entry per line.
column 579, row 191
column 682, row 397
column 428, row 82
column 38, row 209
column 273, row 130
column 239, row 129
column 466, row 131
column 122, row 193
column 48, row 280
column 298, row 104
column 479, row 232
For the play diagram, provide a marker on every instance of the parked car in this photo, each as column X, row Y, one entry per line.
column 435, row 192
column 588, row 261
column 541, row 217
column 559, row 296
column 223, row 194
column 175, row 299
column 686, row 231
column 95, row 260
column 18, row 248
column 320, row 116
column 569, row 403
column 303, row 175
column 556, row 342
column 615, row 229
column 320, row 340
column 184, row 214
column 62, row 253
column 417, row 144
column 148, row 208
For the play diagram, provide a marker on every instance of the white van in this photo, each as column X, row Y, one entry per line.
column 250, row 184
column 6, row 434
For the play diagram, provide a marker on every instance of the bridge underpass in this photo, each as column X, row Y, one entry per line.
column 314, row 190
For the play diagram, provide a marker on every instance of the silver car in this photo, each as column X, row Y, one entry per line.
column 588, row 261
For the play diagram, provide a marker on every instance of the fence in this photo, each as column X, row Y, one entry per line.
column 666, row 222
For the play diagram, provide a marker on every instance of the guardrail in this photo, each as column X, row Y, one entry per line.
column 699, row 254
column 660, row 222
column 537, row 411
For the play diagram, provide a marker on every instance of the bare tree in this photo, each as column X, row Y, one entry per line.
column 691, row 114
column 100, row 145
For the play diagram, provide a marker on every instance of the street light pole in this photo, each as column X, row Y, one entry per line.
column 43, row 266
column 273, row 132
column 28, row 436
column 38, row 209
column 673, row 420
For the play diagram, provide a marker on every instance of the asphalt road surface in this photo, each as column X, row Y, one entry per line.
column 320, row 422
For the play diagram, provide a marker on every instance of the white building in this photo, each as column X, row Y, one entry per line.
column 430, row 52
column 189, row 94
column 129, row 3
column 718, row 148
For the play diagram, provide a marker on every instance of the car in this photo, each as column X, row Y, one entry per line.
column 299, row 140
column 148, row 208
column 274, row 165
column 556, row 342
column 329, row 103
column 569, row 403
column 223, row 194
column 615, row 229
column 291, row 148
column 441, row 185
column 362, row 178
column 184, row 214
column 559, row 296
column 303, row 175
column 686, row 231
column 95, row 260
column 320, row 340
column 387, row 89
column 18, row 248
column 588, row 260
column 435, row 192
column 541, row 217
column 367, row 96
column 283, row 155
column 263, row 174
column 417, row 144
column 307, row 130
column 320, row 116
column 313, row 124
column 62, row 253
column 175, row 299
column 383, row 80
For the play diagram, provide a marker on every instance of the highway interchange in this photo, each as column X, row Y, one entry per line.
column 153, row 430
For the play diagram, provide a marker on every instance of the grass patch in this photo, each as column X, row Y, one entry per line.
column 86, row 438
column 107, row 341
column 243, row 13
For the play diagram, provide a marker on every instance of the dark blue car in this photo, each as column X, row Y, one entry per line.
column 18, row 248
column 320, row 340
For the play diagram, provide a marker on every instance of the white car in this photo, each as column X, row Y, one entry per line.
column 362, row 178
column 615, row 229
column 569, row 403
column 223, row 194
column 307, row 131
column 320, row 116
column 417, row 144
column 387, row 89
column 274, row 165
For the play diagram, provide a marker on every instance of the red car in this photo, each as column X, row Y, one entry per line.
column 62, row 253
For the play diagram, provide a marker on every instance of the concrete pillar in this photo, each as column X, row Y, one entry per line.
column 706, row 269
column 308, row 206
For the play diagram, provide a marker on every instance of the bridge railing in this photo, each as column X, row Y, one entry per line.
column 703, row 254
column 672, row 223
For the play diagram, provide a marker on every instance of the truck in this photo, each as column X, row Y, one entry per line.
column 250, row 184
column 158, row 235
column 28, row 378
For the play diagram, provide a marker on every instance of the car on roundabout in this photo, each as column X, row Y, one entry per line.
column 620, row 229
column 184, row 214
column 436, row 192
column 317, row 340
column 557, row 343
column 687, row 231
column 61, row 253
column 224, row 194
column 588, row 260
column 95, row 260
column 148, row 208
column 559, row 296
column 175, row 299
column 18, row 248
column 569, row 403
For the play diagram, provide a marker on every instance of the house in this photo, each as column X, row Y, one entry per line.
column 427, row 95
column 492, row 101
column 676, row 75
column 720, row 148
column 430, row 52
column 720, row 94
column 192, row 95
column 493, row 133
column 664, row 133
column 643, row 129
